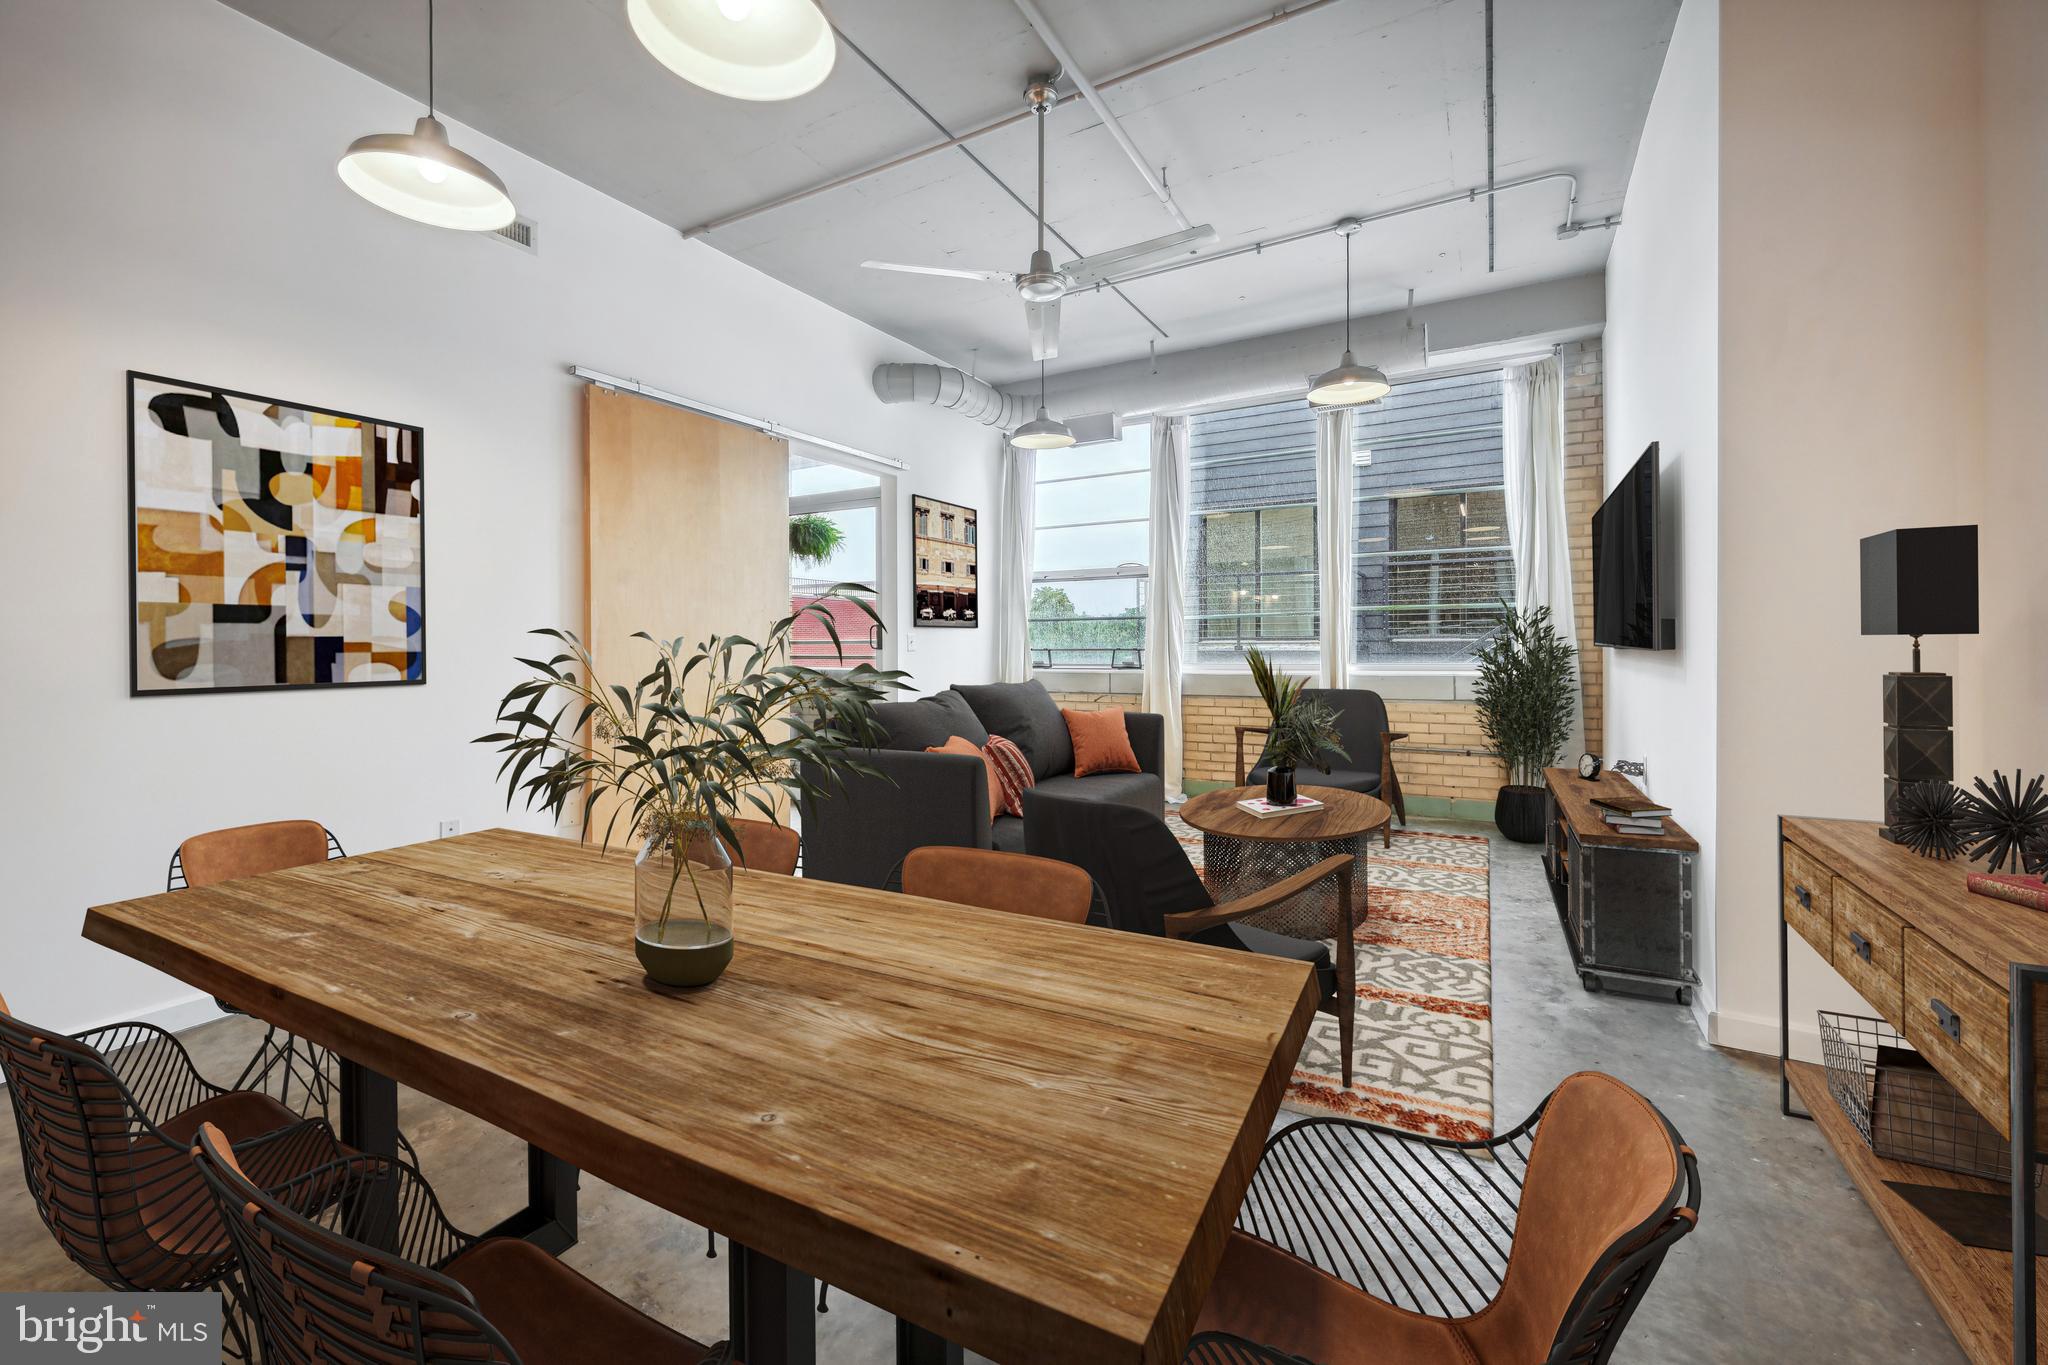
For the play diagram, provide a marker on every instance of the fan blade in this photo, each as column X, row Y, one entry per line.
column 992, row 276
column 1044, row 322
column 1106, row 264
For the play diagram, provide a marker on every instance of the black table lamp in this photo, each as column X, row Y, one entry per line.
column 1918, row 581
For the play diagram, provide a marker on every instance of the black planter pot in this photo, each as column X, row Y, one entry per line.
column 1518, row 811
column 1280, row 786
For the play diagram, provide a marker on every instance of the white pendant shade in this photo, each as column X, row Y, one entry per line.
column 417, row 175
column 747, row 49
column 1348, row 385
column 1042, row 433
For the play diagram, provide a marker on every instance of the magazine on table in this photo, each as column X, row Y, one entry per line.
column 1260, row 807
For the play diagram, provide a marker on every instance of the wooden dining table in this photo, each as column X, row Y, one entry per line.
column 1023, row 1138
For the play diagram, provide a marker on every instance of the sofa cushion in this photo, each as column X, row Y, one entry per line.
column 1012, row 773
column 1101, row 743
column 1007, row 833
column 1025, row 714
column 965, row 747
column 1143, row 791
column 928, row 722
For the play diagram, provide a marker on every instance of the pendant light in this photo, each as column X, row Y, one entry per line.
column 417, row 175
column 1042, row 432
column 747, row 49
column 1351, row 383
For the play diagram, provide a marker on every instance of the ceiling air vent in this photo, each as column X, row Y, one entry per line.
column 520, row 232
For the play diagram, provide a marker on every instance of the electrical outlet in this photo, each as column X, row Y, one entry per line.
column 450, row 828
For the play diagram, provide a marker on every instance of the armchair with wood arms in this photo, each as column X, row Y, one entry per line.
column 1149, row 887
column 1367, row 763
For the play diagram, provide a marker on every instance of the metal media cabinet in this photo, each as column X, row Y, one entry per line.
column 1625, row 900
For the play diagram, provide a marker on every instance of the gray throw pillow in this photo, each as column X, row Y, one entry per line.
column 928, row 722
column 1025, row 714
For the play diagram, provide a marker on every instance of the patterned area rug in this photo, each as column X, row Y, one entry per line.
column 1422, row 1052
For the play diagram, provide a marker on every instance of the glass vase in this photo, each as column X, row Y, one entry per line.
column 682, row 908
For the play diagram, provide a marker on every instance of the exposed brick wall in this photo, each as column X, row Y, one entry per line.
column 1584, row 450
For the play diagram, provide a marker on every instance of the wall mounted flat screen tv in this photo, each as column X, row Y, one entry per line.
column 1628, row 591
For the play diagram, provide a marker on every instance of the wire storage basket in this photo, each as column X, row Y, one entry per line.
column 1900, row 1103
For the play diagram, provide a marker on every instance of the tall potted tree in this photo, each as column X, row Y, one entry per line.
column 674, row 757
column 1525, row 707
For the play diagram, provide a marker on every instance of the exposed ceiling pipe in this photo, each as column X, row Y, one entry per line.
column 942, row 386
column 1568, row 228
column 1107, row 83
column 983, row 167
column 1073, row 72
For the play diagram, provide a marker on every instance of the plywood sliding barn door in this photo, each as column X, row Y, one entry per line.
column 687, row 531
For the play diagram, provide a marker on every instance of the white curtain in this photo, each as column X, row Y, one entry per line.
column 1166, row 587
column 1016, row 518
column 1532, row 430
column 1333, row 541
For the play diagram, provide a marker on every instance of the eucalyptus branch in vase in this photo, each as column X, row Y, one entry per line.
column 703, row 734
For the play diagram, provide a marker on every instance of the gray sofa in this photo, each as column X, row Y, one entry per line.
column 860, row 834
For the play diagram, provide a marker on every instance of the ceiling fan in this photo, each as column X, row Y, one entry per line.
column 1041, row 286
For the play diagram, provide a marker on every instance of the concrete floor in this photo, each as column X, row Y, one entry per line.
column 1787, row 1265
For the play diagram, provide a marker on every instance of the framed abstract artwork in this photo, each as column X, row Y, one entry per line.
column 942, row 563
column 271, row 544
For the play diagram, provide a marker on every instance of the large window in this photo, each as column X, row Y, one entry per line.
column 1089, row 554
column 851, row 501
column 1431, row 562
column 1252, row 534
column 1432, row 558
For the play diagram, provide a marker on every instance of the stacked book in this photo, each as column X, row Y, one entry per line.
column 1628, row 816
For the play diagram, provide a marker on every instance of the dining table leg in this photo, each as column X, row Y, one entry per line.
column 916, row 1346
column 369, row 1124
column 770, row 1310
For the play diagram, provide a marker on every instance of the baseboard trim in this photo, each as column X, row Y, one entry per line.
column 1750, row 1033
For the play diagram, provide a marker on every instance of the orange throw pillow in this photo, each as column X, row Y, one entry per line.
column 1102, row 744
column 958, row 745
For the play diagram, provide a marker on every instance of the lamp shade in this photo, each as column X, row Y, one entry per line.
column 1042, row 433
column 1920, row 580
column 1348, row 385
column 746, row 49
column 418, row 175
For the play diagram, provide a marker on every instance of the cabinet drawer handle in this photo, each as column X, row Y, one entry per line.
column 1951, row 1022
column 1860, row 944
column 1803, row 896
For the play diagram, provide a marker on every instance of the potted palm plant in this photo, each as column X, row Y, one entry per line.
column 674, row 757
column 1299, row 731
column 1524, row 697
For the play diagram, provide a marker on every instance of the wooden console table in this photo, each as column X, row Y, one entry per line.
column 1625, row 900
column 1954, row 973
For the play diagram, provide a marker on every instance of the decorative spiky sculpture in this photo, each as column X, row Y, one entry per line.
column 2003, row 824
column 1927, row 818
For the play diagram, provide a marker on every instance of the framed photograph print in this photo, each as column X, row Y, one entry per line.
column 942, row 563
column 271, row 544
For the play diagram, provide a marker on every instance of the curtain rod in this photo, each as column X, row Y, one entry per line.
column 760, row 424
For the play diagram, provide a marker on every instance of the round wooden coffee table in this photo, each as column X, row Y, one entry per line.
column 1242, row 853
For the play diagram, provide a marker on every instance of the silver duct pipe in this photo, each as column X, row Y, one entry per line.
column 942, row 386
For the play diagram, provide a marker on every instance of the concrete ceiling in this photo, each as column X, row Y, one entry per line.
column 1358, row 107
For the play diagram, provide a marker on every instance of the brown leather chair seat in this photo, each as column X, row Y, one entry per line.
column 554, row 1316
column 1275, row 1298
column 239, row 1113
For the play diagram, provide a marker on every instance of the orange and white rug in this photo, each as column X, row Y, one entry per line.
column 1422, row 1046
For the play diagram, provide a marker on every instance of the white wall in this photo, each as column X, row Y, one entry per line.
column 1851, row 403
column 2002, row 689
column 171, row 206
column 1661, row 351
